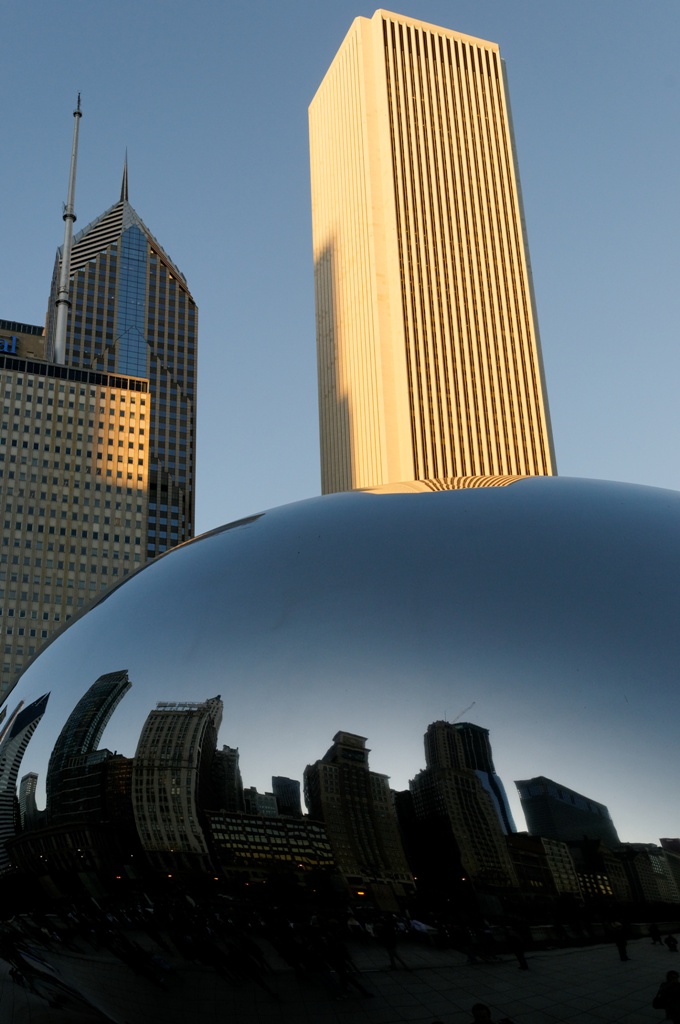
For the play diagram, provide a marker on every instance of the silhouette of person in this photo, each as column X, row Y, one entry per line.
column 385, row 932
column 517, row 947
column 668, row 997
column 621, row 941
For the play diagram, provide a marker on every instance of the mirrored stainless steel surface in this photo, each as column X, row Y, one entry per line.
column 545, row 610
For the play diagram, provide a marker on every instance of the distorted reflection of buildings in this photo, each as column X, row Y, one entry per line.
column 75, row 771
column 601, row 872
column 14, row 739
column 464, row 745
column 458, row 799
column 260, row 803
column 653, row 872
column 86, row 823
column 28, row 806
column 356, row 806
column 558, row 812
column 544, row 867
column 226, row 779
column 287, row 793
column 171, row 781
column 253, row 846
column 179, row 807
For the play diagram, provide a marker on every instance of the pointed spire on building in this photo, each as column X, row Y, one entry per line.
column 63, row 301
column 124, row 183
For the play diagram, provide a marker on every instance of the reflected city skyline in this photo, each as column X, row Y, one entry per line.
column 180, row 804
column 550, row 603
column 526, row 631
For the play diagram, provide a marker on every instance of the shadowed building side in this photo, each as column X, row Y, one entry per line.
column 13, row 742
column 356, row 806
column 557, row 812
column 460, row 795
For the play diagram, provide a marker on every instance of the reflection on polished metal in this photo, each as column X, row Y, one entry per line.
column 546, row 608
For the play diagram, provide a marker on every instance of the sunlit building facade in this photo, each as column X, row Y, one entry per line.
column 97, row 454
column 73, row 490
column 132, row 314
column 24, row 340
column 429, row 357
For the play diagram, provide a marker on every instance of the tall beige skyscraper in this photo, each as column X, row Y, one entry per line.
column 428, row 349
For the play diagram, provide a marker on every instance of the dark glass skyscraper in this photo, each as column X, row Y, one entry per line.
column 558, row 812
column 75, row 768
column 460, row 794
column 462, row 745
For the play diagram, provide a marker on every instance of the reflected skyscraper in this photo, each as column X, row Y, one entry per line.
column 264, row 804
column 555, row 811
column 15, row 738
column 28, row 808
column 287, row 793
column 227, row 784
column 429, row 357
column 355, row 804
column 459, row 793
column 75, row 768
column 463, row 745
column 171, row 779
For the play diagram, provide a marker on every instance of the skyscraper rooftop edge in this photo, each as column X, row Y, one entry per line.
column 21, row 328
column 128, row 216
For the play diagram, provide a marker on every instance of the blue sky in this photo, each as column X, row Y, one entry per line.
column 211, row 102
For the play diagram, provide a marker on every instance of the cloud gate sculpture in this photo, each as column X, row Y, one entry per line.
column 137, row 751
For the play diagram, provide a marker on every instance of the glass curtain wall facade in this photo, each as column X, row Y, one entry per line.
column 132, row 313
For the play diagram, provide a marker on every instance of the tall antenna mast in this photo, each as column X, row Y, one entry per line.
column 124, row 183
column 63, row 302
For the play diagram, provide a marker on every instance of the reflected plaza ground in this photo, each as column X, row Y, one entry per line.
column 587, row 985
